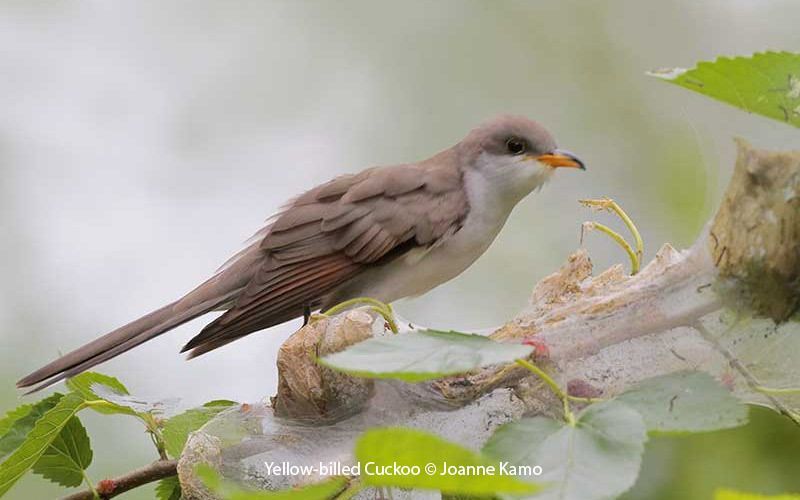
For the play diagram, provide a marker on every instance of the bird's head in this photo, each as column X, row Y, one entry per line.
column 515, row 154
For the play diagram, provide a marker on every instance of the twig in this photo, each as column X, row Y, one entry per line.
column 109, row 488
column 147, row 418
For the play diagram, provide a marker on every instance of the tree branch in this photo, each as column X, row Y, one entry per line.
column 603, row 333
column 109, row 488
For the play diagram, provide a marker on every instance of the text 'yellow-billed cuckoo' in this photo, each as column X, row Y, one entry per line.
column 386, row 233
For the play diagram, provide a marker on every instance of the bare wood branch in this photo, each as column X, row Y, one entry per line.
column 109, row 488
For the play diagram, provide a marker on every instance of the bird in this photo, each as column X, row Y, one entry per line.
column 386, row 233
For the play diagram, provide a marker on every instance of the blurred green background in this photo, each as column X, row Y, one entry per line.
column 141, row 142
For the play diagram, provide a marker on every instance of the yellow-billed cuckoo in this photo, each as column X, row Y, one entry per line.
column 386, row 233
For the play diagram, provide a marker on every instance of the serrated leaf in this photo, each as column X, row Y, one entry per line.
column 474, row 473
column 425, row 355
column 176, row 430
column 84, row 383
column 136, row 404
column 228, row 491
column 597, row 458
column 13, row 416
column 67, row 457
column 20, row 421
column 767, row 83
column 46, row 429
column 93, row 385
column 685, row 402
column 87, row 384
column 739, row 495
column 169, row 489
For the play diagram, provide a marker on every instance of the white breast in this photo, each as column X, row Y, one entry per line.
column 421, row 270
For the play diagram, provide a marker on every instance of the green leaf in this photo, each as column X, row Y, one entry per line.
column 177, row 429
column 44, row 432
column 134, row 404
column 769, row 352
column 84, row 382
column 96, row 386
column 767, row 83
column 518, row 442
column 597, row 458
column 19, row 422
column 425, row 456
column 67, row 457
column 685, row 402
column 227, row 491
column 169, row 489
column 12, row 416
column 425, row 355
column 739, row 495
column 88, row 385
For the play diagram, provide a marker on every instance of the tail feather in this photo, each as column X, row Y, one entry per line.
column 217, row 292
column 120, row 340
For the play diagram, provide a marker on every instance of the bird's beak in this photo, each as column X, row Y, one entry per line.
column 560, row 158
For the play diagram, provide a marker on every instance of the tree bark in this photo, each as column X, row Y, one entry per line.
column 109, row 488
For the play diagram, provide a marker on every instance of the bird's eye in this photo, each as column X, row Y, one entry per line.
column 516, row 146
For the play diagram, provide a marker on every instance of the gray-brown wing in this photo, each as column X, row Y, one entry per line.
column 332, row 233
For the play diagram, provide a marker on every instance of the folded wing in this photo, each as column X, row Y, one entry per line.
column 332, row 233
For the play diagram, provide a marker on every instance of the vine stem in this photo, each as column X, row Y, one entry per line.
column 89, row 484
column 617, row 238
column 155, row 434
column 151, row 425
column 553, row 385
column 381, row 308
column 777, row 390
column 613, row 206
column 579, row 399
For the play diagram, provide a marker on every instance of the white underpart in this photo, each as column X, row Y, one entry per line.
column 494, row 187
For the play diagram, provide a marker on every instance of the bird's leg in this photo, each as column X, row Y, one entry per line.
column 306, row 314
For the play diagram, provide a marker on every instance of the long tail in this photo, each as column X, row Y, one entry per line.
column 122, row 339
column 217, row 292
